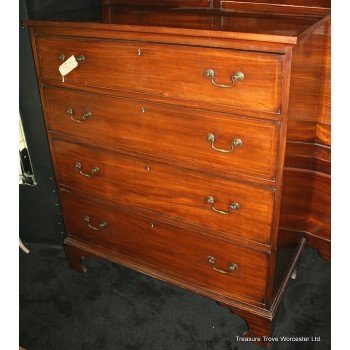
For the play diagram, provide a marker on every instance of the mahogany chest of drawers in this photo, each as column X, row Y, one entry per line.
column 182, row 140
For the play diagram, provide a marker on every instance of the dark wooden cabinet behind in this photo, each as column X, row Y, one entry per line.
column 192, row 141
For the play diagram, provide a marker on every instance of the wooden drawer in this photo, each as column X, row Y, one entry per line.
column 173, row 71
column 168, row 132
column 177, row 193
column 176, row 252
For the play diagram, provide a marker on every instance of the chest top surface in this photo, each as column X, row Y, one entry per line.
column 250, row 23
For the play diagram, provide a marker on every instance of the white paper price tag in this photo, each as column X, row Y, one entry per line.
column 68, row 66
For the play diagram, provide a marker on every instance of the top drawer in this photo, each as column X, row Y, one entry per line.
column 169, row 71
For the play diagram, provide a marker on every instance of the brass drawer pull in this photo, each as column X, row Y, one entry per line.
column 100, row 227
column 95, row 170
column 236, row 142
column 62, row 57
column 79, row 58
column 232, row 206
column 210, row 74
column 84, row 117
column 231, row 267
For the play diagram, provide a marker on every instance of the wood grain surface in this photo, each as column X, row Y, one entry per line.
column 178, row 252
column 306, row 205
column 179, row 72
column 173, row 192
column 171, row 133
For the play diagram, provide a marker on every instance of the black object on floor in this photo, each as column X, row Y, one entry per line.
column 113, row 307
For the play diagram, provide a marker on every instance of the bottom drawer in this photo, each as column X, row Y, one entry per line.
column 216, row 265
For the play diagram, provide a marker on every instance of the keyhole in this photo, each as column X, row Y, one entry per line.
column 143, row 110
column 151, row 224
column 148, row 168
column 139, row 52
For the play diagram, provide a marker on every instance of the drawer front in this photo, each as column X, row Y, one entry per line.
column 170, row 250
column 173, row 71
column 179, row 194
column 168, row 132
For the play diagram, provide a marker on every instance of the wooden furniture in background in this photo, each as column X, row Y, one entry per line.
column 192, row 141
column 306, row 203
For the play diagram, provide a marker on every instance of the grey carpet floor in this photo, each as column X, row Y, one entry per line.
column 113, row 307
